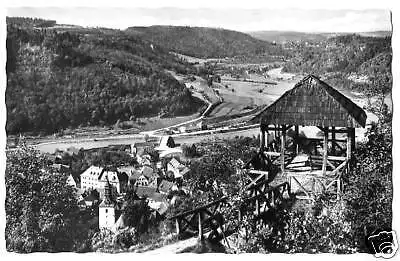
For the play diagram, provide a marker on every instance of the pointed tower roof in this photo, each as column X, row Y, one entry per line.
column 313, row 102
column 108, row 200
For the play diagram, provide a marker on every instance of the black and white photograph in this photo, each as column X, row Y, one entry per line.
column 168, row 129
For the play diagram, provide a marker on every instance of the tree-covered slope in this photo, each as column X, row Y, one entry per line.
column 66, row 77
column 349, row 61
column 338, row 54
column 205, row 42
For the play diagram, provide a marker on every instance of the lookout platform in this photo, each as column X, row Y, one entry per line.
column 307, row 138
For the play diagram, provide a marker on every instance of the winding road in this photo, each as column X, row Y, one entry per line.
column 284, row 81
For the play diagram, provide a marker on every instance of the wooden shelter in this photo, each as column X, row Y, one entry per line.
column 310, row 164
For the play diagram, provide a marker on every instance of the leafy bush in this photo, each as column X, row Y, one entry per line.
column 137, row 214
column 41, row 211
column 369, row 188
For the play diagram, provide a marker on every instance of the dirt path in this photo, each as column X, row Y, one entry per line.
column 175, row 247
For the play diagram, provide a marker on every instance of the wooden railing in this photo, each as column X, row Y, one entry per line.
column 311, row 184
column 210, row 217
column 203, row 219
column 264, row 197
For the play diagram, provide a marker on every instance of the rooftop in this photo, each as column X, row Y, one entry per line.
column 313, row 102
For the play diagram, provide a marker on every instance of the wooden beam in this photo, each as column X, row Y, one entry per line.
column 330, row 164
column 321, row 183
column 353, row 139
column 301, row 186
column 334, row 158
column 321, row 139
column 296, row 139
column 200, row 227
column 262, row 139
column 336, row 130
column 333, row 141
column 256, row 202
column 283, row 140
column 337, row 145
column 186, row 213
column 343, row 164
column 331, row 183
column 348, row 146
column 325, row 153
column 177, row 226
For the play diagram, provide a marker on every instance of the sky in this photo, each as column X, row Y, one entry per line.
column 239, row 19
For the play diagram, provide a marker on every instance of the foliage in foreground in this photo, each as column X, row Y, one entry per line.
column 41, row 211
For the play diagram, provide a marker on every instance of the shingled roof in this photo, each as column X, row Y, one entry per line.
column 313, row 102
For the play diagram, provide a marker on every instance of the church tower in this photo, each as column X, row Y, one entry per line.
column 107, row 208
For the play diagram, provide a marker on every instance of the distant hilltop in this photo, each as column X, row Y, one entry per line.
column 286, row 36
column 205, row 42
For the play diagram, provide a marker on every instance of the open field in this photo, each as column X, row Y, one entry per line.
column 240, row 96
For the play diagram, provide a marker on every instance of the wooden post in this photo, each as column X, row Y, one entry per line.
column 177, row 226
column 296, row 139
column 333, row 141
column 200, row 227
column 283, row 139
column 257, row 207
column 262, row 138
column 257, row 203
column 272, row 198
column 353, row 139
column 325, row 155
column 348, row 144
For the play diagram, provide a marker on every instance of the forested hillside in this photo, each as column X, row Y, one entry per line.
column 350, row 61
column 205, row 42
column 285, row 36
column 342, row 53
column 67, row 77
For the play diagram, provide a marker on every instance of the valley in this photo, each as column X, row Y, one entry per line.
column 167, row 139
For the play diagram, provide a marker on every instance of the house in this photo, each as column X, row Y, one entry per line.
column 128, row 170
column 166, row 186
column 60, row 167
column 133, row 149
column 71, row 181
column 177, row 168
column 145, row 177
column 119, row 224
column 158, row 202
column 146, row 160
column 90, row 177
column 173, row 152
column 182, row 129
column 96, row 177
column 116, row 179
column 90, row 200
column 140, row 148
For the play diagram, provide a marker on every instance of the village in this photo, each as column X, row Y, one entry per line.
column 99, row 187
